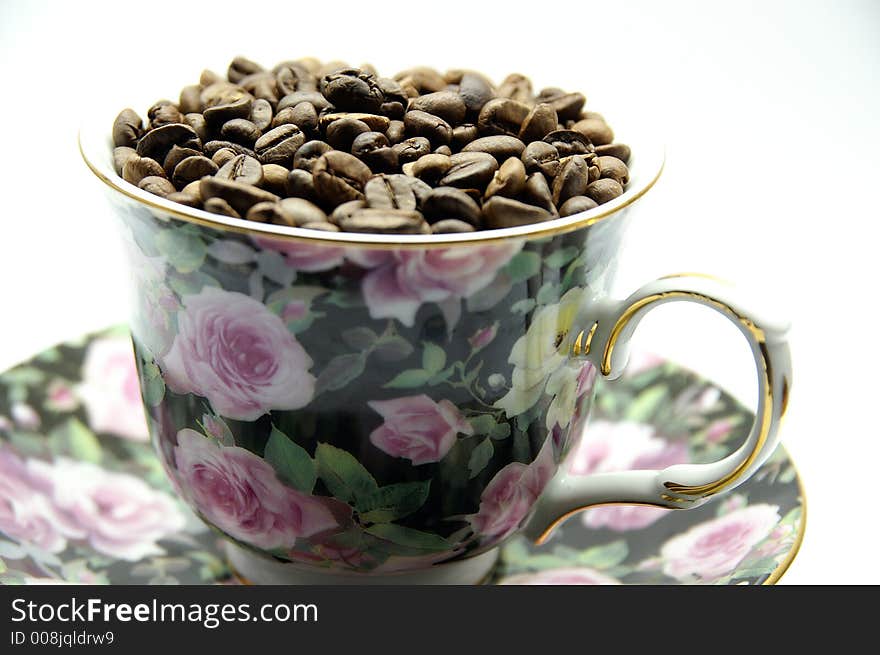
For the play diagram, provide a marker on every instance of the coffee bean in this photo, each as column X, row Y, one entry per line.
column 261, row 114
column 292, row 212
column 597, row 131
column 345, row 210
column 193, row 189
column 159, row 186
column 396, row 132
column 190, row 99
column 502, row 116
column 411, row 149
column 209, row 77
column 198, row 124
column 192, row 169
column 508, row 180
column 419, row 188
column 175, row 156
column 163, row 113
column 423, row 78
column 319, row 102
column 501, row 147
column 464, row 134
column 222, row 156
column 220, row 206
column 243, row 169
column 433, row 128
column 470, row 170
column 275, row 179
column 541, row 156
column 292, row 76
column 567, row 105
column 303, row 116
column 309, row 153
column 221, row 93
column 475, row 90
column 241, row 67
column 451, row 226
column 241, row 197
column 211, row 147
column 122, row 154
column 445, row 104
column 182, row 198
column 395, row 98
column 499, row 212
column 339, row 177
column 375, row 122
column 576, row 205
column 619, row 150
column 219, row 114
column 604, row 190
column 137, row 168
column 277, row 146
column 571, row 180
column 613, row 168
column 516, row 87
column 263, row 212
column 322, row 226
column 156, row 143
column 127, row 128
column 240, row 130
column 539, row 123
column 261, row 86
column 429, row 168
column 390, row 192
column 351, row 89
column 384, row 221
column 448, row 202
column 301, row 184
column 537, row 192
column 569, row 142
column 373, row 149
column 341, row 134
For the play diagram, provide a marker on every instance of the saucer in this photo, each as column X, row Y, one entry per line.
column 83, row 499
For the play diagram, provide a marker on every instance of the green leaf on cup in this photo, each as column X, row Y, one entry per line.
column 433, row 357
column 73, row 439
column 604, row 557
column 153, row 387
column 343, row 475
column 291, row 461
column 500, row 431
column 339, row 371
column 480, row 457
column 482, row 423
column 397, row 534
column 561, row 257
column 360, row 338
column 183, row 250
column 409, row 379
column 523, row 306
column 523, row 265
column 547, row 294
column 393, row 501
column 393, row 348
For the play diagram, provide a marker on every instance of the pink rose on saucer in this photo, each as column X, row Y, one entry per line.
column 417, row 428
column 402, row 280
column 118, row 514
column 573, row 575
column 240, row 494
column 306, row 257
column 110, row 390
column 713, row 549
column 240, row 356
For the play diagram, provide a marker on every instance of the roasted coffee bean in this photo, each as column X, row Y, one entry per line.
column 241, row 197
column 339, row 177
column 619, row 150
column 163, row 113
column 127, row 128
column 604, row 190
column 597, row 131
column 175, row 156
column 445, row 104
column 352, row 89
column 390, row 192
column 443, row 150
column 208, row 77
column 190, row 101
column 275, row 179
column 396, row 132
column 576, row 205
column 571, row 180
column 277, row 146
column 345, row 210
column 286, row 117
column 451, row 226
column 292, row 76
column 423, row 78
column 212, row 147
column 314, row 98
column 516, row 87
column 373, row 149
column 433, row 128
column 384, row 221
column 263, row 212
column 323, row 226
column 261, row 114
column 429, row 168
column 539, row 123
column 192, row 169
column 193, row 189
column 240, row 67
column 448, row 202
column 375, row 122
column 223, row 155
column 122, row 154
column 475, row 90
column 198, row 124
column 499, row 212
column 613, row 168
column 292, row 212
column 569, row 142
column 156, row 143
column 411, row 149
column 220, row 206
column 500, row 146
column 567, row 105
column 221, row 93
column 219, row 114
column 541, row 156
column 159, row 186
column 303, row 116
column 182, row 198
column 508, row 180
column 309, row 153
column 301, row 184
column 464, row 134
column 137, row 168
column 502, row 116
column 262, row 86
column 537, row 192
column 395, row 99
column 341, row 134
column 243, row 169
column 470, row 170
column 241, row 130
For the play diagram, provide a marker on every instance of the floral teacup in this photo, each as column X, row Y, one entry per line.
column 350, row 407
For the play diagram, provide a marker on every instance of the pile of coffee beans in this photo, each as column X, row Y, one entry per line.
column 326, row 146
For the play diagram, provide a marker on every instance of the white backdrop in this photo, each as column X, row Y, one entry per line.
column 770, row 112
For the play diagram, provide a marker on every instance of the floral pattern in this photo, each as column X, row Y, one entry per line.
column 82, row 503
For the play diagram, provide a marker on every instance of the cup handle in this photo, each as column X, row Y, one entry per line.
column 604, row 341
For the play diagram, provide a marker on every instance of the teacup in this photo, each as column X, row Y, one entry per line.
column 376, row 408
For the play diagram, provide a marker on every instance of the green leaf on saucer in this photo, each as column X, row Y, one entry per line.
column 645, row 405
column 409, row 379
column 482, row 423
column 604, row 557
column 480, row 457
column 393, row 501
column 73, row 439
column 397, row 534
column 360, row 338
column 339, row 371
column 344, row 476
column 393, row 348
column 433, row 357
column 290, row 461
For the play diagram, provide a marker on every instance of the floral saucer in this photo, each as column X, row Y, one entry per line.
column 84, row 500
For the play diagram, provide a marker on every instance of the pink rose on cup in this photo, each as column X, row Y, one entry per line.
column 306, row 257
column 118, row 514
column 240, row 356
column 110, row 391
column 608, row 447
column 572, row 575
column 417, row 428
column 239, row 493
column 402, row 280
column 713, row 549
